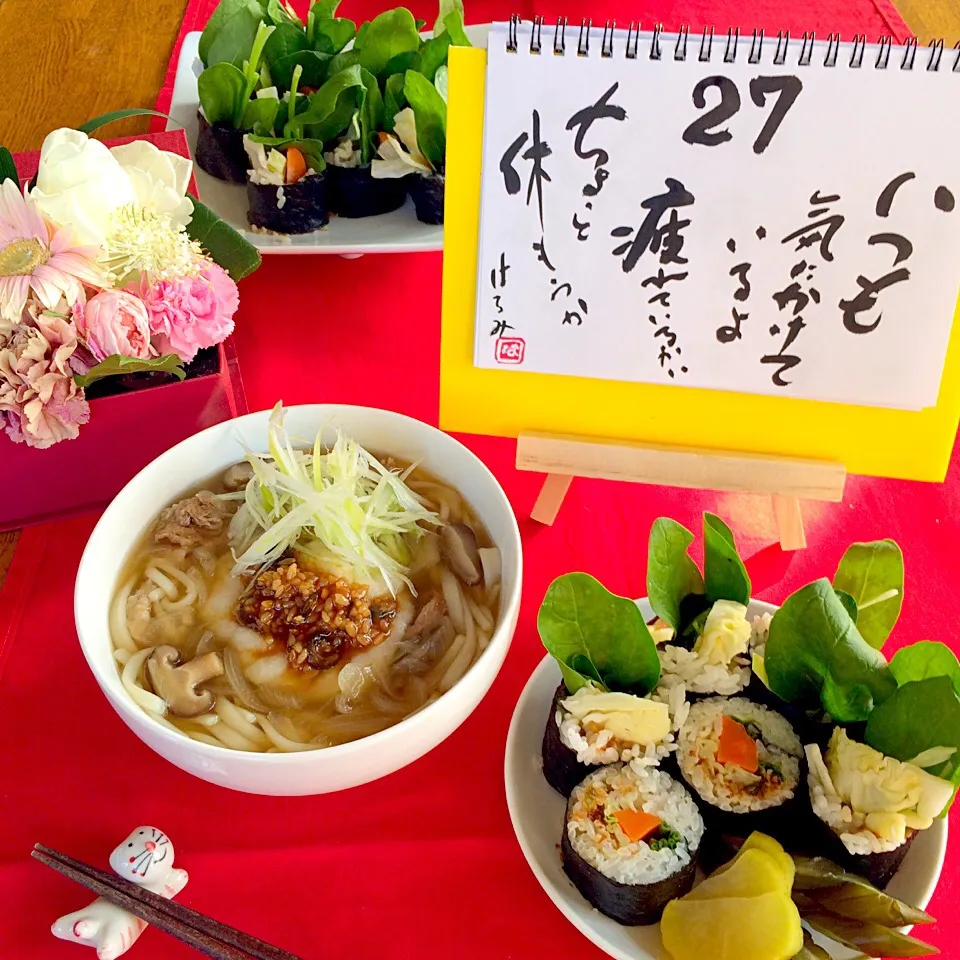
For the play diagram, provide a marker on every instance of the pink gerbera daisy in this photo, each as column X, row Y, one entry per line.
column 39, row 257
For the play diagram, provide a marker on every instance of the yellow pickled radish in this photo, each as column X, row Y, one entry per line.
column 732, row 928
column 753, row 874
column 760, row 841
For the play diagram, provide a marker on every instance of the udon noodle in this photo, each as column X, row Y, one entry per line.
column 251, row 616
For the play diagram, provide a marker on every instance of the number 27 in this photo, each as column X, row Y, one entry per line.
column 786, row 88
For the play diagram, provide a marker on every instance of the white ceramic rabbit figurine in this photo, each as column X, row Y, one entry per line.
column 146, row 858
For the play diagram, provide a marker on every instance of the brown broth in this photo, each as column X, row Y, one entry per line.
column 386, row 681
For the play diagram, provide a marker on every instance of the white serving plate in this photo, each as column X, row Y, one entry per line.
column 396, row 232
column 537, row 810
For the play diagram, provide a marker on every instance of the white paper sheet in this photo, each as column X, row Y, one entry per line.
column 667, row 314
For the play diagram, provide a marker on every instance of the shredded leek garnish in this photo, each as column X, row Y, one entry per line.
column 341, row 506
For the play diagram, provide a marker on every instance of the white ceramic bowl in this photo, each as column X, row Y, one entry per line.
column 536, row 811
column 186, row 466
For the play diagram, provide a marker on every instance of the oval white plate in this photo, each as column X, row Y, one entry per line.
column 396, row 232
column 536, row 811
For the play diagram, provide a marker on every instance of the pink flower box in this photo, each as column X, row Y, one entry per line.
column 125, row 432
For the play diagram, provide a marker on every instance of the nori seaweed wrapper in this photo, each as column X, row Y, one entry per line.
column 561, row 767
column 631, row 904
column 353, row 192
column 220, row 151
column 427, row 194
column 304, row 208
column 878, row 868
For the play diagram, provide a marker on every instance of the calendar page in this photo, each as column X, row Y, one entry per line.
column 777, row 220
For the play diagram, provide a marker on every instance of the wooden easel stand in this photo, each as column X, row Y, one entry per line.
column 786, row 480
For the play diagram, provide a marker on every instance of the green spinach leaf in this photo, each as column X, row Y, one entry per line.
column 872, row 573
column 597, row 634
column 343, row 61
column 453, row 24
column 815, row 656
column 221, row 90
column 392, row 33
column 671, row 573
column 329, row 110
column 285, row 43
column 849, row 604
column 433, row 55
column 928, row 658
column 8, row 169
column 446, row 8
column 116, row 365
column 229, row 34
column 393, row 100
column 430, row 114
column 331, row 36
column 922, row 714
column 408, row 60
column 228, row 248
column 314, row 69
column 370, row 116
column 277, row 13
column 724, row 575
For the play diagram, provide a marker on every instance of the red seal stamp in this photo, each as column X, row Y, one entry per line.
column 509, row 350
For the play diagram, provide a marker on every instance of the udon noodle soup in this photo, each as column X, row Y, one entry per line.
column 304, row 598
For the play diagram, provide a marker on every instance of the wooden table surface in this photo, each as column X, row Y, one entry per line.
column 78, row 69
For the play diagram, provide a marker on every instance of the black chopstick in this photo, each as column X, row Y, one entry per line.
column 210, row 937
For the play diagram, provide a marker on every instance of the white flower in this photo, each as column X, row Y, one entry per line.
column 395, row 161
column 79, row 184
column 159, row 178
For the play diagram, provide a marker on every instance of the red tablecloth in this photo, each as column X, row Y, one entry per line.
column 422, row 863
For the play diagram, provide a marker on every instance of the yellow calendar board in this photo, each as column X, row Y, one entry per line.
column 867, row 440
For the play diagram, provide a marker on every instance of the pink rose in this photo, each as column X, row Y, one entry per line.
column 190, row 313
column 113, row 322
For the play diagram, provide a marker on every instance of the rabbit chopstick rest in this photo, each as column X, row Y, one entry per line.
column 146, row 858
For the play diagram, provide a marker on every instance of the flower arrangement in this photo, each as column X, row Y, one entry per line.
column 107, row 268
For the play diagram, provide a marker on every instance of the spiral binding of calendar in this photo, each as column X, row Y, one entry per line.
column 730, row 45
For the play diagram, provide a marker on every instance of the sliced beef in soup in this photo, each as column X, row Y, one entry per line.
column 187, row 523
column 318, row 618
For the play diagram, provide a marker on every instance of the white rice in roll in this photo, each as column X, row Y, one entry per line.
column 727, row 785
column 599, row 840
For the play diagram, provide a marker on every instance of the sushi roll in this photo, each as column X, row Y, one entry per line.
column 718, row 662
column 630, row 841
column 742, row 762
column 285, row 191
column 592, row 728
column 427, row 193
column 220, row 151
column 870, row 807
column 355, row 193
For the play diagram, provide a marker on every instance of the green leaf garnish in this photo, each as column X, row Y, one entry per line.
column 598, row 635
column 228, row 248
column 872, row 573
column 8, row 169
column 815, row 657
column 724, row 575
column 114, row 115
column 388, row 35
column 430, row 114
column 229, row 34
column 117, row 365
column 671, row 573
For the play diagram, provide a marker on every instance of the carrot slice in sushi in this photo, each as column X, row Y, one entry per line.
column 737, row 746
column 296, row 166
column 636, row 824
